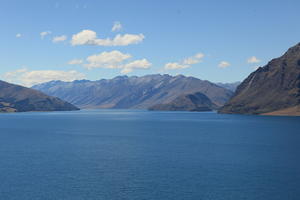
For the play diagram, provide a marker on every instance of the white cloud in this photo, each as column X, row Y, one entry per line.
column 44, row 34
column 59, row 38
column 75, row 62
column 175, row 65
column 85, row 37
column 186, row 63
column 253, row 59
column 123, row 40
column 137, row 64
column 224, row 64
column 30, row 78
column 116, row 27
column 18, row 35
column 111, row 59
column 11, row 76
column 194, row 59
column 89, row 37
column 115, row 60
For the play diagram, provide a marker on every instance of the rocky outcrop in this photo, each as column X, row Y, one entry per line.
column 274, row 87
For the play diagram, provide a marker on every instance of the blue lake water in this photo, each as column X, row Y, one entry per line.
column 141, row 155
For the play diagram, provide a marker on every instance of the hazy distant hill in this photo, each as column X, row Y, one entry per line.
column 15, row 98
column 273, row 88
column 230, row 86
column 132, row 92
column 188, row 102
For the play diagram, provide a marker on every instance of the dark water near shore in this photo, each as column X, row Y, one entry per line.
column 140, row 155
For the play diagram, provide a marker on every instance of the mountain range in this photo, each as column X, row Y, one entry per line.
column 15, row 98
column 133, row 92
column 271, row 90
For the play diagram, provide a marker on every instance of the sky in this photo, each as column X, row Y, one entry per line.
column 219, row 41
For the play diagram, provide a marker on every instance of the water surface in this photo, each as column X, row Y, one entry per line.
column 141, row 155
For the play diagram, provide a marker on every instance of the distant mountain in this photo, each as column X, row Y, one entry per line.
column 15, row 98
column 273, row 89
column 133, row 92
column 229, row 86
column 188, row 102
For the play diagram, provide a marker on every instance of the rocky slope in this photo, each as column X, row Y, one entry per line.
column 132, row 92
column 15, row 98
column 188, row 102
column 274, row 88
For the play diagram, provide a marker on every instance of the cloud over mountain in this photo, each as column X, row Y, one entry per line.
column 224, row 64
column 253, row 59
column 115, row 60
column 29, row 78
column 137, row 64
column 185, row 63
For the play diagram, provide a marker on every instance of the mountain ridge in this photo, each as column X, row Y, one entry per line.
column 132, row 92
column 187, row 102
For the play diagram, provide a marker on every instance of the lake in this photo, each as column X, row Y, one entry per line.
column 142, row 155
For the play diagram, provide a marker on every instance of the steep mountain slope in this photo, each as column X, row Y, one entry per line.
column 132, row 92
column 187, row 102
column 273, row 87
column 14, row 98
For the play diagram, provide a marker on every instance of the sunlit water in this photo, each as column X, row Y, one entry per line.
column 141, row 155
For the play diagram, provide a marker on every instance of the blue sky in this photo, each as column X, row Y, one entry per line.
column 220, row 41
